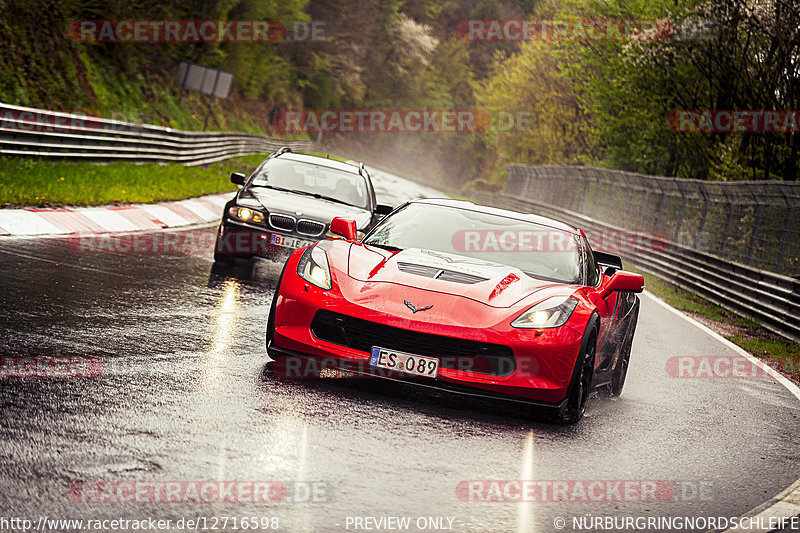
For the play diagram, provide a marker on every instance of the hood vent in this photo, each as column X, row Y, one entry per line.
column 460, row 277
column 439, row 273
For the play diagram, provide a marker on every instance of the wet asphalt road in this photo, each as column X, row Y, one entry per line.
column 186, row 394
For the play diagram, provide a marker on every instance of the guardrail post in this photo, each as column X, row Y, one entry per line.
column 726, row 230
column 585, row 192
column 642, row 202
column 660, row 203
column 758, row 216
column 681, row 214
column 701, row 225
column 786, row 234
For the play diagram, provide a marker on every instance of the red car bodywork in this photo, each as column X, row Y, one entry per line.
column 367, row 285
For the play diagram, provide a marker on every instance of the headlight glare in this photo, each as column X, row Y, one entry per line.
column 550, row 313
column 245, row 214
column 313, row 267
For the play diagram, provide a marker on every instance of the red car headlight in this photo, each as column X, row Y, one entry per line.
column 313, row 267
column 550, row 313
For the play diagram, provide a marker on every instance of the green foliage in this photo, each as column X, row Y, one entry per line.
column 135, row 81
column 622, row 91
column 599, row 102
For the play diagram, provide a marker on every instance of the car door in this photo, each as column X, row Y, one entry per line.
column 608, row 308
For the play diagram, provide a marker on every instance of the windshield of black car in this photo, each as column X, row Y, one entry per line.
column 346, row 187
column 539, row 251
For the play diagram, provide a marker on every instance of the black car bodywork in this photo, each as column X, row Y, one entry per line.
column 282, row 218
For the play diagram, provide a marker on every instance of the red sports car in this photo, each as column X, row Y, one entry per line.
column 477, row 300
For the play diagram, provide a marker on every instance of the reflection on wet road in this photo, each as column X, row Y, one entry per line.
column 186, row 395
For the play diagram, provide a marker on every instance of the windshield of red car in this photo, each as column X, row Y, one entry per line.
column 345, row 187
column 539, row 251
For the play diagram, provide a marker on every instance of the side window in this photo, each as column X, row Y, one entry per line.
column 592, row 270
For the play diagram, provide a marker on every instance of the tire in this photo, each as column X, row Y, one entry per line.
column 270, row 336
column 621, row 370
column 271, row 321
column 225, row 259
column 580, row 386
column 219, row 257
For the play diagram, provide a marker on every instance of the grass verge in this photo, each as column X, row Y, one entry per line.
column 782, row 354
column 41, row 183
column 27, row 182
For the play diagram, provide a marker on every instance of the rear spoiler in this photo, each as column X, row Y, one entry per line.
column 609, row 261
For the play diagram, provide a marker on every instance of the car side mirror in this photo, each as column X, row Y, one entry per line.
column 610, row 263
column 344, row 227
column 623, row 281
column 383, row 210
column 238, row 178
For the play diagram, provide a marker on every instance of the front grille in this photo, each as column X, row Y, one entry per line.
column 310, row 227
column 284, row 222
column 453, row 353
column 438, row 273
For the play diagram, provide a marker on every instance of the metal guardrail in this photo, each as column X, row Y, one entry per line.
column 38, row 133
column 771, row 299
column 755, row 223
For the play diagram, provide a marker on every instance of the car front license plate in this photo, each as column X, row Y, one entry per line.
column 288, row 242
column 417, row 365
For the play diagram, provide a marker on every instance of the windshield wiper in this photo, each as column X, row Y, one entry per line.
column 321, row 197
column 384, row 246
column 306, row 193
column 273, row 187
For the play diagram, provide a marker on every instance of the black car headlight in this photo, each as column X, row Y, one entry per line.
column 313, row 267
column 550, row 313
column 246, row 214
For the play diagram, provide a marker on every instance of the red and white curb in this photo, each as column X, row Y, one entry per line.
column 109, row 219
